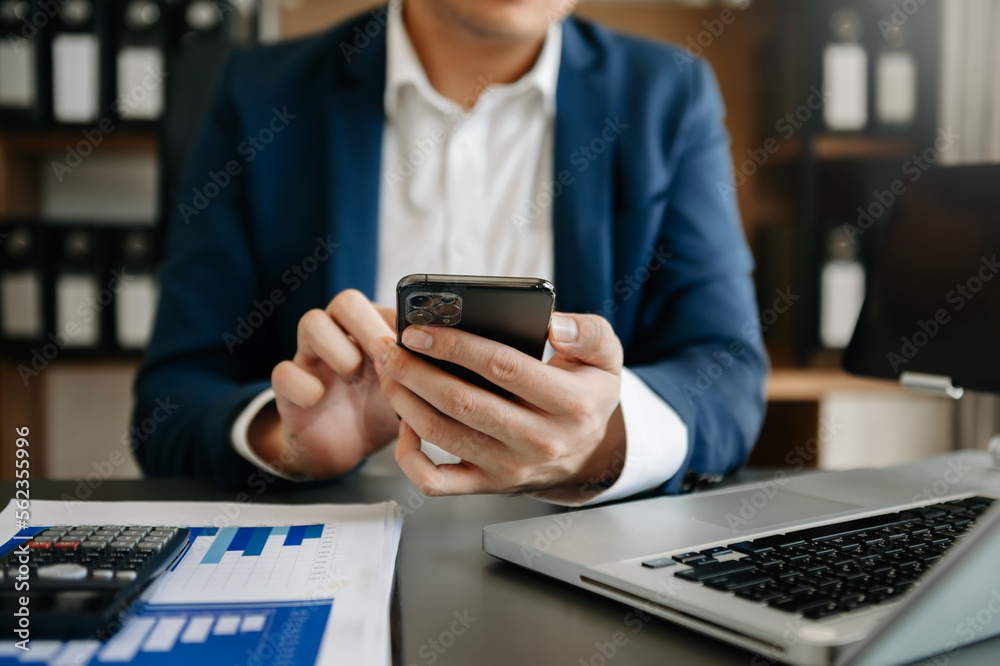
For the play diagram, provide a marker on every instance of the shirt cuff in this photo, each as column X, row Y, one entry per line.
column 241, row 439
column 656, row 446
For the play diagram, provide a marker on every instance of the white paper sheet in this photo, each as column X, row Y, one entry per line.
column 350, row 560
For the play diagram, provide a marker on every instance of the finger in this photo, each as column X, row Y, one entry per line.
column 297, row 385
column 588, row 339
column 320, row 339
column 546, row 387
column 388, row 315
column 354, row 313
column 434, row 427
column 435, row 480
column 477, row 408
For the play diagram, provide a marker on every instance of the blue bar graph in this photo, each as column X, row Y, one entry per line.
column 295, row 535
column 257, row 541
column 250, row 541
column 219, row 546
column 241, row 539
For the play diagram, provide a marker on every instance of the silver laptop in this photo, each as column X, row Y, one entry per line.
column 798, row 570
column 870, row 567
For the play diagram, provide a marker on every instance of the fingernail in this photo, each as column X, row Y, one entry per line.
column 380, row 350
column 564, row 329
column 417, row 340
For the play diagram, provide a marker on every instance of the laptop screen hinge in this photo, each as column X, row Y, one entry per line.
column 939, row 385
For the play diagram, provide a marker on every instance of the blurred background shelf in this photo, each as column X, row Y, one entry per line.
column 766, row 58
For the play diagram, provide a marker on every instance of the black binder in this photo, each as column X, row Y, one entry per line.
column 80, row 294
column 79, row 48
column 23, row 321
column 133, row 257
column 140, row 36
column 18, row 63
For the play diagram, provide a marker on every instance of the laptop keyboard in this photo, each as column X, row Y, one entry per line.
column 824, row 571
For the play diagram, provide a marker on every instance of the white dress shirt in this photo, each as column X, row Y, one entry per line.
column 465, row 192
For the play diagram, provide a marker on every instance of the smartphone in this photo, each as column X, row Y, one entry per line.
column 513, row 311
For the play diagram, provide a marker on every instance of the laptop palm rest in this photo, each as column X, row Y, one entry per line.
column 761, row 508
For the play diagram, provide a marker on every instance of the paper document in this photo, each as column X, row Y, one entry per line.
column 258, row 584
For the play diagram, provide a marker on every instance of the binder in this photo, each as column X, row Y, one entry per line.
column 18, row 63
column 133, row 268
column 79, row 298
column 22, row 285
column 199, row 37
column 140, row 30
column 80, row 81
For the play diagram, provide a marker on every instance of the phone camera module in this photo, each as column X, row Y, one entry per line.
column 419, row 317
column 420, row 301
column 446, row 310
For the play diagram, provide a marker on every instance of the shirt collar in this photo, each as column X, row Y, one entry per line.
column 403, row 68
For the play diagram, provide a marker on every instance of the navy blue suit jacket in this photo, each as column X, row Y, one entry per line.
column 646, row 233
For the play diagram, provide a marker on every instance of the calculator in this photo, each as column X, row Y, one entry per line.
column 80, row 579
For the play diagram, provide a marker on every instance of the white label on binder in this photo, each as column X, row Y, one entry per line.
column 845, row 77
column 17, row 74
column 135, row 311
column 140, row 83
column 842, row 293
column 896, row 85
column 77, row 310
column 76, row 78
column 21, row 295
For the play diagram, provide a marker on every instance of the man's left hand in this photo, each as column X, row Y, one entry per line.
column 562, row 427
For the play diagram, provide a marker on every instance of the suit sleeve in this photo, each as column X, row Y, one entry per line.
column 698, row 343
column 200, row 360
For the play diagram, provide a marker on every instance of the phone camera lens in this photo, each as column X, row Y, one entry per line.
column 447, row 299
column 420, row 301
column 447, row 310
column 419, row 317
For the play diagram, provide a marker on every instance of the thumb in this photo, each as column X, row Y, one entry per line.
column 587, row 339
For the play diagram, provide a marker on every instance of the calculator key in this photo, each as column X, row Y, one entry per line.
column 53, row 532
column 67, row 545
column 134, row 532
column 64, row 571
column 104, row 573
column 95, row 544
column 157, row 545
column 128, row 537
column 39, row 545
column 120, row 545
column 126, row 574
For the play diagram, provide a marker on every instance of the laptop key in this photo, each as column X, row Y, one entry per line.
column 801, row 603
column 714, row 552
column 658, row 563
column 760, row 595
column 715, row 569
column 684, row 557
column 736, row 581
column 749, row 548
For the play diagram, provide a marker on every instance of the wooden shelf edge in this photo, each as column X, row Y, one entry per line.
column 811, row 384
column 36, row 142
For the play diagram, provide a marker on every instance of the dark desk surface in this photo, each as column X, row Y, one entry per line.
column 520, row 617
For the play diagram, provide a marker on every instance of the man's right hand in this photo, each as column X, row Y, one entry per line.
column 330, row 411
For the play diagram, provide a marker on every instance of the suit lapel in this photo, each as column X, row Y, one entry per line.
column 355, row 120
column 581, row 217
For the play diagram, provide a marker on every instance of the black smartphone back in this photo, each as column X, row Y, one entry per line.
column 512, row 311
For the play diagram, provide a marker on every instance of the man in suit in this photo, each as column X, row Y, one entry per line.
column 441, row 136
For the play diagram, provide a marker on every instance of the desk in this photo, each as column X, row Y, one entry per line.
column 520, row 618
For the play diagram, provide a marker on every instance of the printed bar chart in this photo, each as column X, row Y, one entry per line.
column 233, row 563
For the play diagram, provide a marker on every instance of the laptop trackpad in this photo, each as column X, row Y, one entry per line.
column 761, row 509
